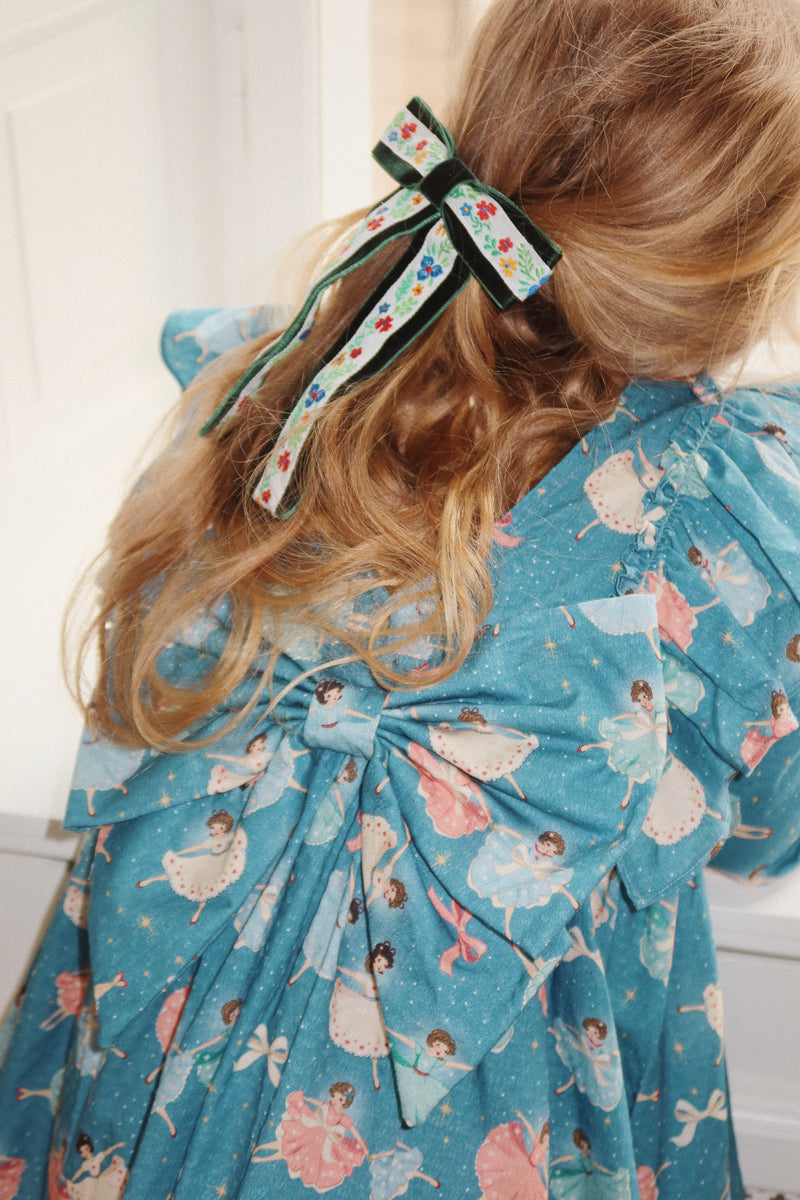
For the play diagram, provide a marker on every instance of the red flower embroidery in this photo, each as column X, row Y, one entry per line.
column 375, row 223
column 407, row 130
column 383, row 324
column 486, row 209
column 266, row 495
column 505, row 244
column 284, row 461
column 421, row 145
column 354, row 353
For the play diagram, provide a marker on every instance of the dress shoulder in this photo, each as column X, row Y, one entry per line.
column 724, row 567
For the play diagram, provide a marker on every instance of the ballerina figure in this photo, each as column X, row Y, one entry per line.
column 393, row 1170
column 321, row 943
column 594, row 1070
column 320, row 1145
column 355, row 1020
column 676, row 617
column 517, row 872
column 418, row 1080
column 781, row 723
column 179, row 1066
column 581, row 1180
column 637, row 747
column 733, row 577
column 11, row 1170
column 712, row 1007
column 453, row 801
column 253, row 764
column 647, row 1178
column 505, row 1169
column 108, row 1184
column 218, row 861
column 485, row 751
column 70, row 988
column 616, row 491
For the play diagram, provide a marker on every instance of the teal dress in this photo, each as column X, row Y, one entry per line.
column 486, row 935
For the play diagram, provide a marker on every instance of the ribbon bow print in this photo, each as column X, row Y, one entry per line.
column 461, row 228
column 259, row 1046
column 467, row 947
column 690, row 1117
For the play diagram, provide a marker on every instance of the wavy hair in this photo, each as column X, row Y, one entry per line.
column 658, row 143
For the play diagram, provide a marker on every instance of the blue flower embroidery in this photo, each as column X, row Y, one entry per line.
column 315, row 395
column 429, row 269
column 393, row 135
column 383, row 308
column 466, row 209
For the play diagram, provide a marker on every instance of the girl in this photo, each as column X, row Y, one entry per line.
column 608, row 214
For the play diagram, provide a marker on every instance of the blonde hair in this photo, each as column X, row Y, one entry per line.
column 658, row 143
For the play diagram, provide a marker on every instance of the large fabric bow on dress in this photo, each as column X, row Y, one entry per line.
column 423, row 851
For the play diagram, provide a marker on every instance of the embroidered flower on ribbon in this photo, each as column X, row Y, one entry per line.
column 417, row 198
column 316, row 394
column 466, row 209
column 505, row 244
column 392, row 135
column 337, row 362
column 284, row 461
column 428, row 268
column 383, row 324
column 508, row 265
column 384, row 307
column 421, row 145
column 407, row 130
column 266, row 496
column 417, row 289
column 375, row 223
column 354, row 353
column 486, row 209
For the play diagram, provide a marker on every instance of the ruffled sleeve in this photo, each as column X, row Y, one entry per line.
column 724, row 569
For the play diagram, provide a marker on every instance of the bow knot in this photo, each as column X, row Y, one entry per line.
column 460, row 229
column 690, row 1117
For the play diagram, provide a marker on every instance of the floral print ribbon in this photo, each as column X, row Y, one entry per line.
column 460, row 228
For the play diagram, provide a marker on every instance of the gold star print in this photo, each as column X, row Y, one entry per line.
column 534, row 1046
column 616, row 568
column 678, row 1048
column 781, row 596
column 729, row 640
column 608, row 1120
column 178, row 960
column 441, row 859
column 146, row 923
column 120, row 911
column 621, row 827
column 445, row 1109
column 566, row 685
column 165, row 800
column 171, row 776
column 541, row 491
column 583, row 718
column 551, row 646
column 146, row 974
column 630, row 994
column 595, row 663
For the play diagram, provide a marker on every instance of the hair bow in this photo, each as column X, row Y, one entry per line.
column 460, row 228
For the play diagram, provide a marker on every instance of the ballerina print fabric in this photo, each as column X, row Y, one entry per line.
column 454, row 938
